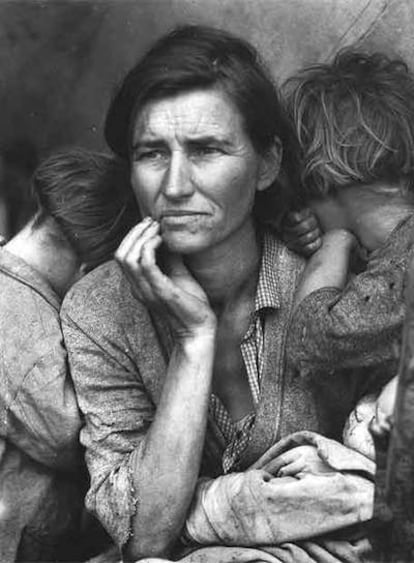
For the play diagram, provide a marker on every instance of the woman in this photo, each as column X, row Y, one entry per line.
column 178, row 356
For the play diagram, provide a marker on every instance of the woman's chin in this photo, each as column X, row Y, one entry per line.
column 184, row 243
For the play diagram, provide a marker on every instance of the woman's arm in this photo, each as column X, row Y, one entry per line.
column 165, row 470
column 173, row 445
column 144, row 461
column 259, row 508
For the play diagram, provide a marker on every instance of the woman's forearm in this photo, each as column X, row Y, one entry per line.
column 166, row 470
column 329, row 266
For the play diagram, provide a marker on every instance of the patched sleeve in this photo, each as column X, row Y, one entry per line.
column 116, row 408
column 359, row 326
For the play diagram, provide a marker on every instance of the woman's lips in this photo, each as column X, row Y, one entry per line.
column 177, row 218
column 180, row 213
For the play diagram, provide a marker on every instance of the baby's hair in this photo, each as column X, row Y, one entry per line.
column 355, row 122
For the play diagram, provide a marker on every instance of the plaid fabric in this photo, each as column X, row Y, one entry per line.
column 236, row 434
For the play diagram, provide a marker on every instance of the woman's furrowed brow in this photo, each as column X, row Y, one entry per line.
column 210, row 139
column 147, row 143
column 222, row 140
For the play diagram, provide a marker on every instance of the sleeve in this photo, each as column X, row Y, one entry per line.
column 257, row 508
column 359, row 326
column 43, row 418
column 116, row 408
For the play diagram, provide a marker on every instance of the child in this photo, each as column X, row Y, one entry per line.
column 84, row 208
column 355, row 123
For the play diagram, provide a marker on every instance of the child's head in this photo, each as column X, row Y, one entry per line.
column 88, row 196
column 355, row 123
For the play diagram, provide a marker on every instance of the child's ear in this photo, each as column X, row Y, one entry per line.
column 270, row 165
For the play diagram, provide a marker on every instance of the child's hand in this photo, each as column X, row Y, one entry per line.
column 382, row 422
column 302, row 459
column 301, row 232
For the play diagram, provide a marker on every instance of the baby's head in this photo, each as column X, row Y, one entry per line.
column 355, row 123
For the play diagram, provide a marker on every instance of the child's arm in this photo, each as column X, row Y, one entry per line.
column 328, row 267
column 350, row 323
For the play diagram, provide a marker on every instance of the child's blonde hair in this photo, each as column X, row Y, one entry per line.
column 355, row 122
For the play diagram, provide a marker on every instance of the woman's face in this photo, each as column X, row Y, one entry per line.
column 194, row 169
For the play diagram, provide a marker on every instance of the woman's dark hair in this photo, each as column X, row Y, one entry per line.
column 196, row 57
column 355, row 122
column 88, row 195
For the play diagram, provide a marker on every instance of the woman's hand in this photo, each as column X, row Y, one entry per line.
column 301, row 232
column 302, row 459
column 177, row 294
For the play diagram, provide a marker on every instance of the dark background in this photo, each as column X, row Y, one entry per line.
column 61, row 59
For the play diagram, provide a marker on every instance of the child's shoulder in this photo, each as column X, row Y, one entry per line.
column 400, row 242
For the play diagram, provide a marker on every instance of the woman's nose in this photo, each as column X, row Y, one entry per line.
column 177, row 181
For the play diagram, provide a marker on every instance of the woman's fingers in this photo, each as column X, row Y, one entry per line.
column 291, row 469
column 178, row 292
column 152, row 284
column 141, row 241
column 131, row 238
column 151, row 274
column 148, row 251
column 275, row 465
column 133, row 256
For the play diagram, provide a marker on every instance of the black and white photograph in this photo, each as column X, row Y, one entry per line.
column 207, row 281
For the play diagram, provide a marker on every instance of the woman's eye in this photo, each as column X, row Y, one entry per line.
column 205, row 150
column 151, row 155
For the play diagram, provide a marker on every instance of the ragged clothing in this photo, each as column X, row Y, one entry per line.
column 259, row 508
column 41, row 490
column 119, row 353
column 256, row 516
column 359, row 327
column 236, row 435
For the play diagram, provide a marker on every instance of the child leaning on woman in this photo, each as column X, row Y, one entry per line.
column 355, row 123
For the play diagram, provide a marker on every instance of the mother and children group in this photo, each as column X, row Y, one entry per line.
column 200, row 330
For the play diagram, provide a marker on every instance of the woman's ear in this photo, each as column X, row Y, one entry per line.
column 270, row 165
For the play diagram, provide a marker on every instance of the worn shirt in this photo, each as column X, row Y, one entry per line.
column 39, row 417
column 334, row 331
column 236, row 434
column 119, row 352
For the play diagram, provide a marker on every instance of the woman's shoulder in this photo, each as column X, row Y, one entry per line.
column 103, row 293
column 283, row 259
